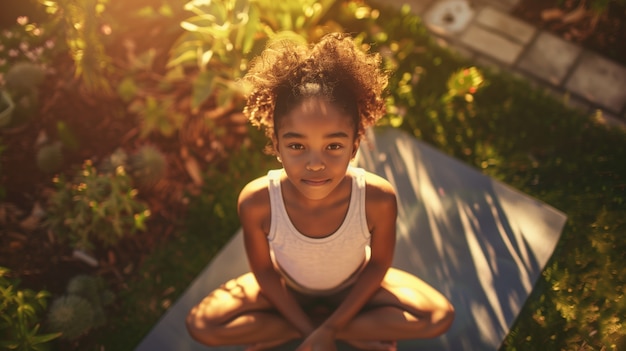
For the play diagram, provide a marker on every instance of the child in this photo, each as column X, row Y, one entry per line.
column 319, row 234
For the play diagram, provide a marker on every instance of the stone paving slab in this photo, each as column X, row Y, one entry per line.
column 600, row 81
column 485, row 31
column 503, row 5
column 506, row 24
column 549, row 58
column 491, row 44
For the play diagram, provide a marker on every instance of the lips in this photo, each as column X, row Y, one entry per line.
column 315, row 182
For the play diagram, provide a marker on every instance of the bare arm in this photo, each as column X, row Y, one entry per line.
column 254, row 214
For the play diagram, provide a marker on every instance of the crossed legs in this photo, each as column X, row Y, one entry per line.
column 405, row 307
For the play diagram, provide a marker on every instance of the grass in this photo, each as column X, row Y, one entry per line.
column 512, row 131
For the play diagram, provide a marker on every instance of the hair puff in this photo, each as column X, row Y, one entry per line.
column 334, row 68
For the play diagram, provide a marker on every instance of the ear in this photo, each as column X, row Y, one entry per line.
column 355, row 147
column 275, row 147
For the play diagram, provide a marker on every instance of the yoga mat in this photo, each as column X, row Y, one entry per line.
column 480, row 242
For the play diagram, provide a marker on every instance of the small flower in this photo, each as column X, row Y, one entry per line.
column 13, row 53
column 49, row 43
column 22, row 20
column 31, row 56
column 24, row 46
column 120, row 170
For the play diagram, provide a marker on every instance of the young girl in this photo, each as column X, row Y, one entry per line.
column 319, row 234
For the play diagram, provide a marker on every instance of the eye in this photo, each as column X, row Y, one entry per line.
column 296, row 146
column 335, row 147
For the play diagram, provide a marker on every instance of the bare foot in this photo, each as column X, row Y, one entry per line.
column 366, row 345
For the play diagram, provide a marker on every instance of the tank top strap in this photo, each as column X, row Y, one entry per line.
column 276, row 200
column 358, row 201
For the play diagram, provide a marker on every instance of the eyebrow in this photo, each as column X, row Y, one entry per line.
column 294, row 135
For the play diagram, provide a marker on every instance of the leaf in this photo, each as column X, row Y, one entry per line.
column 250, row 30
column 185, row 57
column 202, row 88
column 205, row 58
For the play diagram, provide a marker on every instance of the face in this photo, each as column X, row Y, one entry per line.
column 315, row 143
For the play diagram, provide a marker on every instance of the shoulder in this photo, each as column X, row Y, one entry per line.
column 254, row 198
column 381, row 206
column 378, row 188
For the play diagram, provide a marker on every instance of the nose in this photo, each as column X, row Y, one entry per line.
column 315, row 163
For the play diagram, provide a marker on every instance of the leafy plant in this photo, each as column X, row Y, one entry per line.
column 20, row 316
column 95, row 208
column 223, row 36
column 217, row 41
column 158, row 115
column 146, row 166
column 82, row 23
column 464, row 83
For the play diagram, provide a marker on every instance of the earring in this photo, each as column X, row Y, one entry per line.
column 279, row 160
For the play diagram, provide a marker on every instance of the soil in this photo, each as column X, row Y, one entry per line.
column 103, row 124
column 604, row 33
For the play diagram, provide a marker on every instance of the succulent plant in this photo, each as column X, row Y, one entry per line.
column 118, row 158
column 71, row 315
column 85, row 286
column 50, row 157
column 6, row 108
column 93, row 289
column 147, row 166
column 24, row 78
column 21, row 82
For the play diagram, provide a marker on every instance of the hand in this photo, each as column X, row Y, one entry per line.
column 322, row 339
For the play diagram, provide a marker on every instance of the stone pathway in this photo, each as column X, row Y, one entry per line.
column 486, row 32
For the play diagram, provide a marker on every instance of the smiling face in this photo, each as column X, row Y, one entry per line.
column 315, row 142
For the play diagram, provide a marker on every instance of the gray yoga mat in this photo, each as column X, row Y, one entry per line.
column 477, row 240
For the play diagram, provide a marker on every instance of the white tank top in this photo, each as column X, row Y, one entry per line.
column 319, row 265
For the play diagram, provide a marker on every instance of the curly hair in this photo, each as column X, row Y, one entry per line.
column 335, row 68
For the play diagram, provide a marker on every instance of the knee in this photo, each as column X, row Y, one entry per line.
column 201, row 328
column 443, row 317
